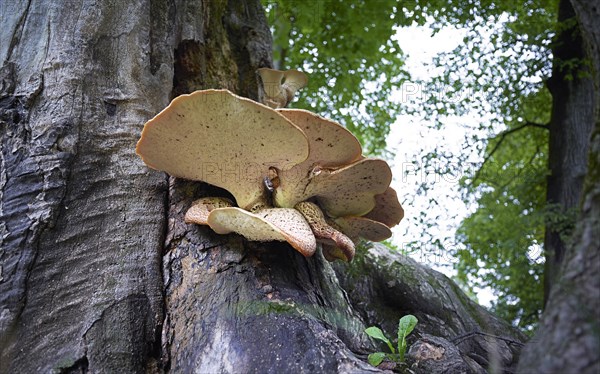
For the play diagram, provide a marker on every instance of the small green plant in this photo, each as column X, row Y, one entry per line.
column 405, row 326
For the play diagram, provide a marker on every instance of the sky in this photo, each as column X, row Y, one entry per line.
column 410, row 137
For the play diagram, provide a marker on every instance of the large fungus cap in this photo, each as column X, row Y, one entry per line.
column 351, row 190
column 222, row 139
column 387, row 209
column 331, row 145
column 266, row 225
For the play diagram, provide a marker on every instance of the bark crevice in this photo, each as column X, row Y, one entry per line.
column 18, row 30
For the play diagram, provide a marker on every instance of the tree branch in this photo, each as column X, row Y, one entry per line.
column 503, row 136
column 520, row 172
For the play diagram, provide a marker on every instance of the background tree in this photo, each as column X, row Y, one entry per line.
column 98, row 270
column 572, row 344
column 541, row 92
column 543, row 101
column 521, row 69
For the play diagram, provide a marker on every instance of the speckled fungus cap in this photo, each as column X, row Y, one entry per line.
column 279, row 224
column 331, row 146
column 223, row 139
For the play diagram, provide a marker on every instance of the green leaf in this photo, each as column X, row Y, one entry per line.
column 376, row 333
column 405, row 327
column 376, row 358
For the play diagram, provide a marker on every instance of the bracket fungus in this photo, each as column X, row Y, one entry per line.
column 279, row 87
column 281, row 224
column 331, row 146
column 224, row 140
column 295, row 176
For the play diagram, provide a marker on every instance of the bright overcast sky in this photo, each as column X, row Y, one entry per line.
column 410, row 137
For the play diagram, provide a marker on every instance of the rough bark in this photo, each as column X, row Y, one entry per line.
column 570, row 128
column 80, row 283
column 99, row 273
column 383, row 286
column 568, row 338
column 432, row 354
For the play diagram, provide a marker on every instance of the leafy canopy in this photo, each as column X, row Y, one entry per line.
column 352, row 60
column 503, row 64
column 497, row 74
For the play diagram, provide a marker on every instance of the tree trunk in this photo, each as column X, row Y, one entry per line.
column 588, row 13
column 82, row 219
column 568, row 339
column 570, row 128
column 98, row 271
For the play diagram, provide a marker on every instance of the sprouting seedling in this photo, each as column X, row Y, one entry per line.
column 405, row 326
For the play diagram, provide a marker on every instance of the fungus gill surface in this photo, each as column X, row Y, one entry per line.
column 282, row 224
column 387, row 208
column 350, row 190
column 365, row 228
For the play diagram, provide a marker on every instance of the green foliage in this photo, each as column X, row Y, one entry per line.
column 506, row 231
column 405, row 326
column 376, row 333
column 498, row 74
column 350, row 56
column 376, row 358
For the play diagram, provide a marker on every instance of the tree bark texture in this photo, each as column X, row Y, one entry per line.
column 82, row 219
column 98, row 271
column 588, row 13
column 570, row 128
column 568, row 338
column 383, row 285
